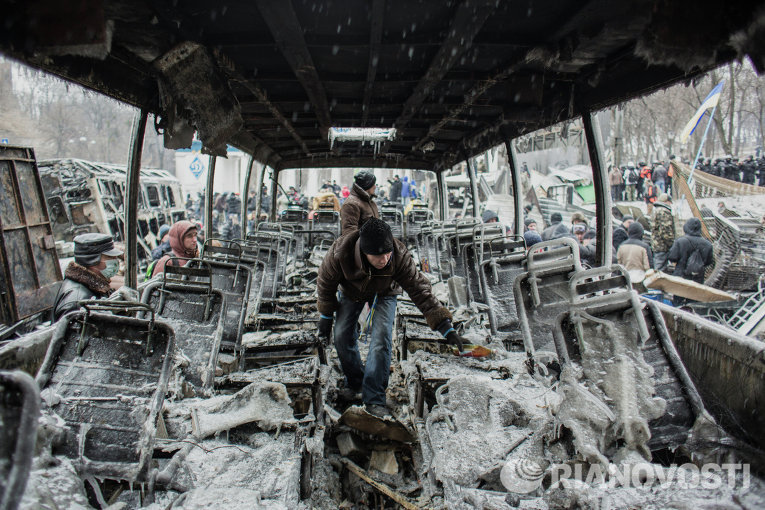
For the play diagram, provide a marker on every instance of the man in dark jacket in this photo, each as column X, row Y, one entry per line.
column 620, row 233
column 95, row 263
column 556, row 229
column 369, row 266
column 164, row 243
column 359, row 206
column 683, row 248
column 395, row 188
column 634, row 253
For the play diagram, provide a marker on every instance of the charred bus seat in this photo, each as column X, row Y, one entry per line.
column 485, row 237
column 417, row 217
column 234, row 280
column 326, row 219
column 106, row 376
column 542, row 292
column 184, row 297
column 19, row 413
column 498, row 275
column 607, row 319
column 392, row 215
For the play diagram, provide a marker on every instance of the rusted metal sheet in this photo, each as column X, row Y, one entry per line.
column 29, row 271
column 728, row 370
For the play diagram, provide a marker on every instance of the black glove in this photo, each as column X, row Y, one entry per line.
column 453, row 338
column 325, row 327
column 446, row 329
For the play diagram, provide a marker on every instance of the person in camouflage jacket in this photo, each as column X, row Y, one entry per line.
column 663, row 231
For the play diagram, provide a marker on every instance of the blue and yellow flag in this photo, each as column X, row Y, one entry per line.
column 709, row 102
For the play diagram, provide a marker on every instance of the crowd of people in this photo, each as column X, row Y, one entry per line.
column 750, row 170
column 690, row 253
column 646, row 182
column 640, row 182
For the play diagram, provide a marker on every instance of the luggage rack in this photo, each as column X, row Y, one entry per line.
column 110, row 376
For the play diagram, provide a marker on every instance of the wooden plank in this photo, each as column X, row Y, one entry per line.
column 682, row 185
column 395, row 496
column 283, row 22
column 684, row 288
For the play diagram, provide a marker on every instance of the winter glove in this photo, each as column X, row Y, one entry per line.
column 325, row 327
column 453, row 338
column 448, row 331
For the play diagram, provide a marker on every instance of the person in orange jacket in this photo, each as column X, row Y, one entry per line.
column 650, row 194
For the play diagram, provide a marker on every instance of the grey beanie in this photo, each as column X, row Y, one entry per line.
column 365, row 179
column 488, row 215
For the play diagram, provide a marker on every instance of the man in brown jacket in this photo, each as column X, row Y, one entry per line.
column 359, row 206
column 369, row 266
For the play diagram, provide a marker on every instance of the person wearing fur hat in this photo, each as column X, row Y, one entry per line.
column 370, row 266
column 96, row 261
column 183, row 243
column 359, row 206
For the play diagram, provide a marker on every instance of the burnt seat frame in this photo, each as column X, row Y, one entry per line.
column 558, row 258
column 20, row 412
column 93, row 318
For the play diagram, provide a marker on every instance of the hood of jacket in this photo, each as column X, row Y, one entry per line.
column 635, row 230
column 177, row 231
column 692, row 227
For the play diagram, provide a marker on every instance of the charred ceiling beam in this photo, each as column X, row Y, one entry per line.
column 285, row 27
column 467, row 22
column 331, row 161
column 470, row 98
column 375, row 36
column 262, row 98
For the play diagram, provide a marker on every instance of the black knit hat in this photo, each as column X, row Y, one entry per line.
column 375, row 237
column 365, row 179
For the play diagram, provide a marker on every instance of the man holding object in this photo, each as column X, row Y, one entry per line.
column 369, row 266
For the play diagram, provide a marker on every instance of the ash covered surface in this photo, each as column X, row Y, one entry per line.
column 510, row 430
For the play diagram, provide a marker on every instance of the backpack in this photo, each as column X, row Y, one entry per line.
column 695, row 265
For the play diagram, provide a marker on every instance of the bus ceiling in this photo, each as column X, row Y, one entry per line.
column 452, row 78
column 448, row 79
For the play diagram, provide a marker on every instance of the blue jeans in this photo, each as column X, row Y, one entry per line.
column 372, row 378
column 661, row 185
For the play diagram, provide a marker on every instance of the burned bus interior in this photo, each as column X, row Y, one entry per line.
column 208, row 385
